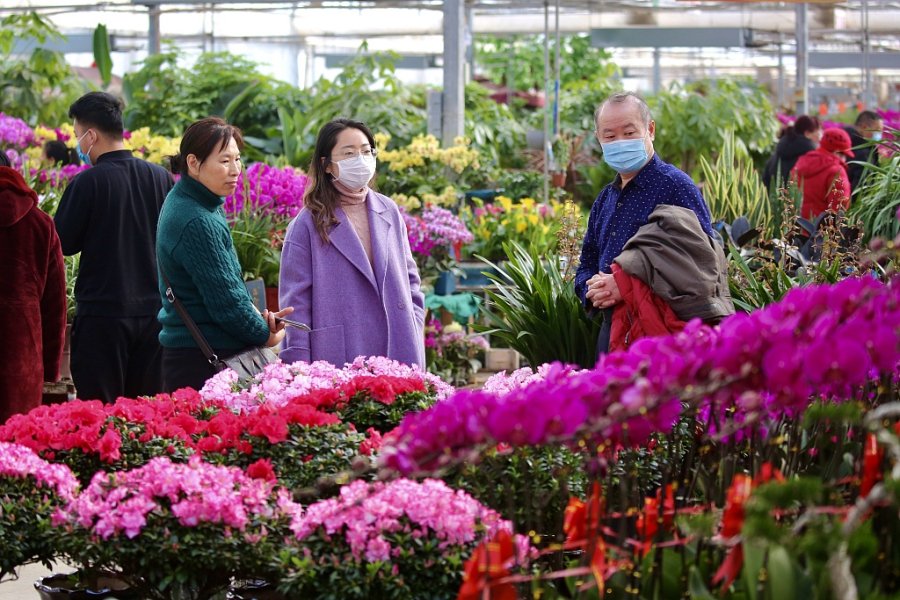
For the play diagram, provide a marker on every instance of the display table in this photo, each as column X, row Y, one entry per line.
column 458, row 307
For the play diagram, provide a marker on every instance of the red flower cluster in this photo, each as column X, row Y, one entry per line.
column 383, row 388
column 372, row 443
column 95, row 428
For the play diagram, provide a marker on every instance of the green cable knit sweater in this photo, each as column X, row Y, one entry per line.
column 194, row 247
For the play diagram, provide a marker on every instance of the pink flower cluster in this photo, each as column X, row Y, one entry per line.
column 435, row 226
column 365, row 512
column 194, row 493
column 58, row 177
column 501, row 383
column 280, row 382
column 18, row 461
column 268, row 190
column 818, row 339
column 15, row 133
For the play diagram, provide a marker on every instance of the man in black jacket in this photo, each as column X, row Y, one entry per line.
column 869, row 126
column 109, row 214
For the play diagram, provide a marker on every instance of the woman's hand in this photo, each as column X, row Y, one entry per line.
column 276, row 329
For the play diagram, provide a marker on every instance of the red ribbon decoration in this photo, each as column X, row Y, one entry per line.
column 766, row 474
column 873, row 454
column 733, row 518
column 490, row 561
column 582, row 520
column 648, row 523
column 735, row 500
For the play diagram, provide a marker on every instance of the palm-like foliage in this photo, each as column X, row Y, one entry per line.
column 536, row 312
column 733, row 189
column 879, row 197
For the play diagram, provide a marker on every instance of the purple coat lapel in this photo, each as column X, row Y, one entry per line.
column 344, row 238
column 380, row 230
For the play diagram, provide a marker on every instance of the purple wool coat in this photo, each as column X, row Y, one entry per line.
column 351, row 310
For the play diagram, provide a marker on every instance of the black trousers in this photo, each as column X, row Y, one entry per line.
column 605, row 332
column 116, row 356
column 187, row 367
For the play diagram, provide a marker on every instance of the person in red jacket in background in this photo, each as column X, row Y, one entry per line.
column 32, row 296
column 822, row 175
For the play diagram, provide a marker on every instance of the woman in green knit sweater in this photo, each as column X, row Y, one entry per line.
column 195, row 250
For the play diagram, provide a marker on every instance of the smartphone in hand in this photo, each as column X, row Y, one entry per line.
column 294, row 324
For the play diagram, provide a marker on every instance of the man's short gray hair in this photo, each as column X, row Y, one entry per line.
column 620, row 97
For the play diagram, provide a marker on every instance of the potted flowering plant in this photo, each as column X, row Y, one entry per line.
column 525, row 221
column 280, row 383
column 31, row 490
column 293, row 445
column 424, row 173
column 451, row 354
column 175, row 531
column 436, row 237
column 265, row 201
column 403, row 539
column 89, row 436
column 294, row 442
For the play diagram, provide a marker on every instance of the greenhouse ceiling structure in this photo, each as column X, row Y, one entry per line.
column 804, row 51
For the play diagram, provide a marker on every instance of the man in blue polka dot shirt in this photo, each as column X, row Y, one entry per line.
column 626, row 132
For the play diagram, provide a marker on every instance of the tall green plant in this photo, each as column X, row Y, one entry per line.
column 256, row 233
column 693, row 120
column 166, row 95
column 519, row 60
column 39, row 87
column 536, row 312
column 732, row 187
column 366, row 89
column 877, row 201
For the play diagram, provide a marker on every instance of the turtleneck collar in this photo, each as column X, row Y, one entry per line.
column 348, row 196
column 199, row 192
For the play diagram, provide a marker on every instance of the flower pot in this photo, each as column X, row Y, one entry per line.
column 558, row 179
column 474, row 274
column 69, row 586
column 255, row 590
column 445, row 284
column 272, row 299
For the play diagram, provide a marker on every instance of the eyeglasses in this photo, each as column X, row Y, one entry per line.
column 367, row 153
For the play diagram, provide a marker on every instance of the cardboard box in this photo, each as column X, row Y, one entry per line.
column 501, row 359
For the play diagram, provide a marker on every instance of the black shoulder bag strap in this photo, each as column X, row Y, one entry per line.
column 188, row 321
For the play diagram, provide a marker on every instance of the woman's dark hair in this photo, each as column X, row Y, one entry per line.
column 321, row 197
column 60, row 154
column 4, row 159
column 802, row 125
column 201, row 139
column 101, row 111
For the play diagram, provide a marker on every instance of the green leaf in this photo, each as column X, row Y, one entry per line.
column 242, row 100
column 697, row 587
column 102, row 55
column 781, row 577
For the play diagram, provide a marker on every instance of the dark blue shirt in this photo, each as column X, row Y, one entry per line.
column 618, row 213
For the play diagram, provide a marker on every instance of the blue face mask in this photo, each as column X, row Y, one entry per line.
column 876, row 136
column 85, row 157
column 625, row 156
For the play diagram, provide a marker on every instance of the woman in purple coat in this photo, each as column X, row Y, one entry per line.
column 347, row 268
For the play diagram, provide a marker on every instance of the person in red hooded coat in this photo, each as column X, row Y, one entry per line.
column 32, row 296
column 822, row 175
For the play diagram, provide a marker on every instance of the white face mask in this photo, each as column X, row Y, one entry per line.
column 355, row 173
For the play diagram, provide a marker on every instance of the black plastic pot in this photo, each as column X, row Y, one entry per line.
column 69, row 586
